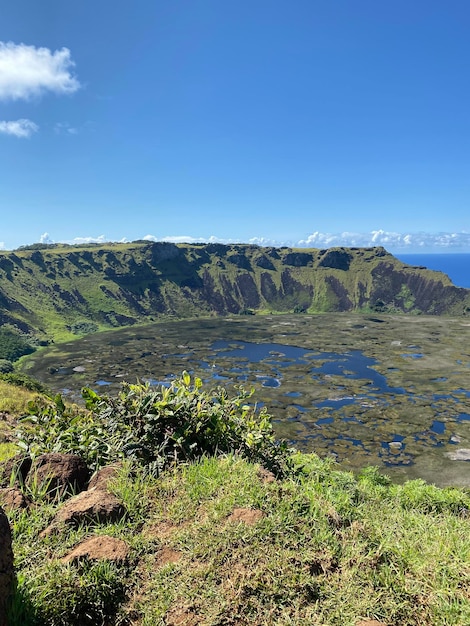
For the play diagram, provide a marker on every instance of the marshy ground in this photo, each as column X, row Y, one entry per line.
column 385, row 390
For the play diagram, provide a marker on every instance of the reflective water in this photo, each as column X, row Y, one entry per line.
column 389, row 391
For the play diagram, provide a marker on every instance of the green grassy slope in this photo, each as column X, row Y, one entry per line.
column 59, row 290
column 218, row 540
column 211, row 543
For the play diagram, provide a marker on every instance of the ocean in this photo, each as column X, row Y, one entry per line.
column 456, row 266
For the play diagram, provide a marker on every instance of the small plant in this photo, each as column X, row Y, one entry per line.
column 67, row 595
column 53, row 426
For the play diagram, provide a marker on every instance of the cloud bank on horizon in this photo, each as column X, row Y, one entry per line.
column 27, row 73
column 402, row 242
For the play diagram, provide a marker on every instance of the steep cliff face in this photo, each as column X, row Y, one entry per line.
column 55, row 289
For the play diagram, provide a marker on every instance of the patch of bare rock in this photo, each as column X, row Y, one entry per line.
column 168, row 555
column 182, row 617
column 13, row 499
column 246, row 516
column 99, row 548
column 265, row 475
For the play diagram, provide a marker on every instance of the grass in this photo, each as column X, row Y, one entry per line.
column 212, row 542
column 122, row 284
column 328, row 549
column 14, row 399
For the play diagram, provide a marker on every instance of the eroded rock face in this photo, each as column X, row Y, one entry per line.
column 298, row 259
column 59, row 474
column 6, row 567
column 336, row 259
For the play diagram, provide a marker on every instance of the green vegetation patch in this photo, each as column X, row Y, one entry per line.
column 212, row 542
column 156, row 426
column 13, row 345
column 214, row 538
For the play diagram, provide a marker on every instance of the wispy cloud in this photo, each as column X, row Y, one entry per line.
column 189, row 239
column 19, row 128
column 27, row 71
column 392, row 241
column 64, row 128
column 100, row 239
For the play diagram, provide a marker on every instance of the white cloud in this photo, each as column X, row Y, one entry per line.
column 44, row 238
column 263, row 241
column 403, row 242
column 189, row 239
column 2, row 245
column 19, row 128
column 64, row 128
column 27, row 71
column 390, row 240
column 100, row 239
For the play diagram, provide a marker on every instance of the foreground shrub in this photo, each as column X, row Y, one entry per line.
column 156, row 426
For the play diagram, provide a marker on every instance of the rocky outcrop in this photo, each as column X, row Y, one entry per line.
column 336, row 259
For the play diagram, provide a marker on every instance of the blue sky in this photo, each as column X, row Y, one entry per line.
column 298, row 122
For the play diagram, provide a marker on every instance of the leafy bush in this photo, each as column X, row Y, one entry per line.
column 157, row 426
column 12, row 345
column 6, row 366
column 23, row 380
column 83, row 328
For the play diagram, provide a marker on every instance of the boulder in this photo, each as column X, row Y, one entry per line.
column 101, row 548
column 88, row 507
column 14, row 471
column 103, row 477
column 12, row 499
column 58, row 474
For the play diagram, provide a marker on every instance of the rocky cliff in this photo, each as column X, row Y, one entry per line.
column 55, row 290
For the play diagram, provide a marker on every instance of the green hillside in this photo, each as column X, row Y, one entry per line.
column 57, row 291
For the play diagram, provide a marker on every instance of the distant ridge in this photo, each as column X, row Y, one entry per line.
column 57, row 291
